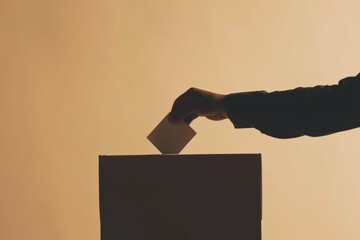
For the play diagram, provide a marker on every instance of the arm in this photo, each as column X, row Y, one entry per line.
column 312, row 111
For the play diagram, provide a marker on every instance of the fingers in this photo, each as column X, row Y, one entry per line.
column 173, row 118
column 192, row 104
column 179, row 113
column 189, row 118
column 183, row 107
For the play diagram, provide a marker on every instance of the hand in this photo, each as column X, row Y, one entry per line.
column 196, row 102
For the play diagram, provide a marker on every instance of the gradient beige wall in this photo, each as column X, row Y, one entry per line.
column 84, row 78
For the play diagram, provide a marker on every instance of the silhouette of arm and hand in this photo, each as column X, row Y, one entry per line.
column 312, row 111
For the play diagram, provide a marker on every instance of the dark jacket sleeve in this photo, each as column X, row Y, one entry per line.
column 312, row 111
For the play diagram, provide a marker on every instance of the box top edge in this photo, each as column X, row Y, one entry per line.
column 196, row 154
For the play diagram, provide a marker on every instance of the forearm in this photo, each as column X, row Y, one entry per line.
column 313, row 111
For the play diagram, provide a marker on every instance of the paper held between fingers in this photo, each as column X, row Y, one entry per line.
column 171, row 138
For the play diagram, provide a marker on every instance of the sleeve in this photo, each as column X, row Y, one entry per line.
column 313, row 111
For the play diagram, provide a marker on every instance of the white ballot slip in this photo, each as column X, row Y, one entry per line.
column 171, row 138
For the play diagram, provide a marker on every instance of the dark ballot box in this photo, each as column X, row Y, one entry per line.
column 180, row 197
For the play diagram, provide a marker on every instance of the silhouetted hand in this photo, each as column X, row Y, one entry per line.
column 197, row 102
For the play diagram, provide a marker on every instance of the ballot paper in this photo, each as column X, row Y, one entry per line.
column 171, row 138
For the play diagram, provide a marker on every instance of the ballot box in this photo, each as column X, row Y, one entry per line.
column 180, row 197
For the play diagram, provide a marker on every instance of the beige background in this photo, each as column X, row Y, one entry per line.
column 83, row 78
